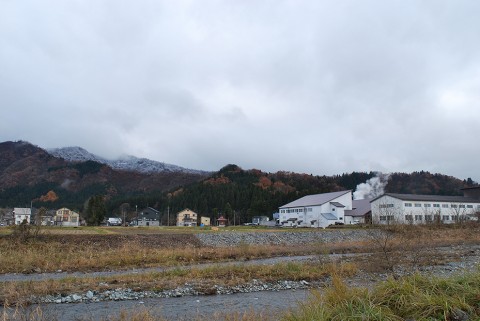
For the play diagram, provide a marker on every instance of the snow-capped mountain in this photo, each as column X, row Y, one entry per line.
column 127, row 163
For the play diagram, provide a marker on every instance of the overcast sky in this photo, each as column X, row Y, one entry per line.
column 321, row 87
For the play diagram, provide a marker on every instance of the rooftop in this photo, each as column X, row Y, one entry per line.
column 430, row 198
column 316, row 199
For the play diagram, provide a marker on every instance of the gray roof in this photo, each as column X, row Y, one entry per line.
column 329, row 216
column 337, row 204
column 315, row 200
column 360, row 208
column 430, row 198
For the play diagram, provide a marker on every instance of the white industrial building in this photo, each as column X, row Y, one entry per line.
column 417, row 209
column 319, row 210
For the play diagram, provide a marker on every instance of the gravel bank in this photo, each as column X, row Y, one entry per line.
column 227, row 238
column 121, row 294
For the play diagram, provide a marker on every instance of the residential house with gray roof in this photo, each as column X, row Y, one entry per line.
column 148, row 217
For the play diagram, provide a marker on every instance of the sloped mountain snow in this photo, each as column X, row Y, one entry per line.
column 127, row 163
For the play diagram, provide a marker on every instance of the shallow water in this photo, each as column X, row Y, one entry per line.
column 182, row 308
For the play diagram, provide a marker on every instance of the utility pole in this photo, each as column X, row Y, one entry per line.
column 168, row 215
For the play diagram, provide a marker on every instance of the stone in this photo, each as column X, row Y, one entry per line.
column 459, row 315
column 89, row 295
column 76, row 297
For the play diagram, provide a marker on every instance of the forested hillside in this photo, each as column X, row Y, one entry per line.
column 241, row 194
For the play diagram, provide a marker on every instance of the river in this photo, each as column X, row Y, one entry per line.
column 181, row 308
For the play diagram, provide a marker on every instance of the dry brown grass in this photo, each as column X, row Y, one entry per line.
column 50, row 256
column 202, row 280
column 117, row 252
column 414, row 246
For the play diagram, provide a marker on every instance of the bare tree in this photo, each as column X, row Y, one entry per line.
column 458, row 212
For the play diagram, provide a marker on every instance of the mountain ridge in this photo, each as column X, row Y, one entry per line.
column 27, row 172
column 127, row 162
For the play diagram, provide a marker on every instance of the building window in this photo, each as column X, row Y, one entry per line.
column 427, row 205
column 445, row 218
column 469, row 206
column 408, row 204
column 428, row 218
column 408, row 217
column 453, row 205
column 461, row 206
column 436, row 205
column 383, row 218
column 444, row 205
column 418, row 217
column 418, row 205
column 310, row 209
column 385, row 205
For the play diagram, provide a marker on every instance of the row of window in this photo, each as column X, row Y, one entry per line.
column 296, row 210
column 386, row 218
column 385, row 205
column 438, row 205
column 429, row 218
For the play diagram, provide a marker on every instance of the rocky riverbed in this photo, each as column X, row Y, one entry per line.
column 186, row 290
column 465, row 258
column 227, row 238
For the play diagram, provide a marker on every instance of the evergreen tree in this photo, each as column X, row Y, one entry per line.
column 96, row 210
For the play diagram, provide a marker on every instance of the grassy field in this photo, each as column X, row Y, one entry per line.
column 90, row 230
column 107, row 248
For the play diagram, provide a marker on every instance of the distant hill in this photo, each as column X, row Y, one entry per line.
column 28, row 172
column 241, row 194
column 128, row 162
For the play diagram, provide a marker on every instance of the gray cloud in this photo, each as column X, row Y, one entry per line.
column 310, row 86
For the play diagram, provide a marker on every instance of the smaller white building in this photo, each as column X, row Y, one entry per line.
column 361, row 212
column 319, row 210
column 21, row 214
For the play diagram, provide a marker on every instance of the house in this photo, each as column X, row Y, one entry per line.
column 319, row 210
column 48, row 218
column 7, row 217
column 187, row 217
column 21, row 214
column 221, row 221
column 417, row 209
column 204, row 221
column 259, row 220
column 148, row 217
column 361, row 212
column 67, row 217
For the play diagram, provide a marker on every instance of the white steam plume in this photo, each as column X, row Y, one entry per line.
column 372, row 188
